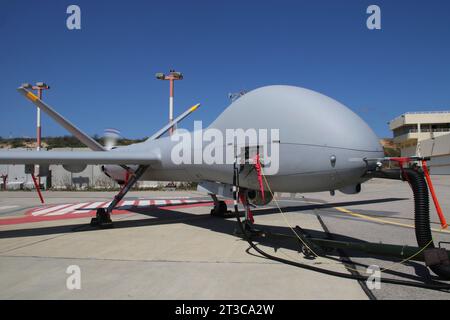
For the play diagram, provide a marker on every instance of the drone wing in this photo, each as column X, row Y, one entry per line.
column 79, row 157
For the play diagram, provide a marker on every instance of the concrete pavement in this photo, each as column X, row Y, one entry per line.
column 154, row 254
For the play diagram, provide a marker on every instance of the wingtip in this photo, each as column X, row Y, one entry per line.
column 193, row 108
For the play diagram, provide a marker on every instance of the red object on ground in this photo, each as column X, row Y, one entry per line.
column 38, row 188
column 444, row 224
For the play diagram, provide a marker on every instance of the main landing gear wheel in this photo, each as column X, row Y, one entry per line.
column 102, row 219
column 220, row 209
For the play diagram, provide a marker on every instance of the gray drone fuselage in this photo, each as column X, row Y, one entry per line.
column 322, row 144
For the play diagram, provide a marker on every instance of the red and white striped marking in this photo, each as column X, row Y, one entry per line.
column 62, row 209
column 87, row 209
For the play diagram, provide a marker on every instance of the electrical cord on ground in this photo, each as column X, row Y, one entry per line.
column 432, row 286
column 391, row 267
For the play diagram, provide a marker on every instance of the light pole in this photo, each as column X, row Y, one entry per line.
column 172, row 76
column 39, row 87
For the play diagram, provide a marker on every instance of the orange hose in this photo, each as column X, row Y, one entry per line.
column 433, row 195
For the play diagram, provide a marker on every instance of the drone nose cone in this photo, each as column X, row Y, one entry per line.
column 302, row 116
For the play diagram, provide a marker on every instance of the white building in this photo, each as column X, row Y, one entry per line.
column 439, row 150
column 424, row 134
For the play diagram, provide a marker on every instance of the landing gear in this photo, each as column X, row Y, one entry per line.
column 102, row 219
column 248, row 222
column 103, row 216
column 220, row 208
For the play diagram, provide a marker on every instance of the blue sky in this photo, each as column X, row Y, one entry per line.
column 103, row 75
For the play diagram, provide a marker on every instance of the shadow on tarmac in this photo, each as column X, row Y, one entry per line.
column 164, row 216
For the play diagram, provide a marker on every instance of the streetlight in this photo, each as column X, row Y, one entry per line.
column 172, row 76
column 39, row 87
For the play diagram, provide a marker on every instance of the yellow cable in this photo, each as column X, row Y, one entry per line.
column 362, row 216
column 349, row 212
column 285, row 219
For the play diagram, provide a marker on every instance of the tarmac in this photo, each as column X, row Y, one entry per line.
column 166, row 245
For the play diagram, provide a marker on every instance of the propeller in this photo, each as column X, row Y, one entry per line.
column 110, row 138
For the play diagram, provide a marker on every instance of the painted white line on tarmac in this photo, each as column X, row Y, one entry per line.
column 89, row 207
column 69, row 209
column 85, row 207
column 47, row 210
column 126, row 205
column 106, row 205
column 143, row 203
